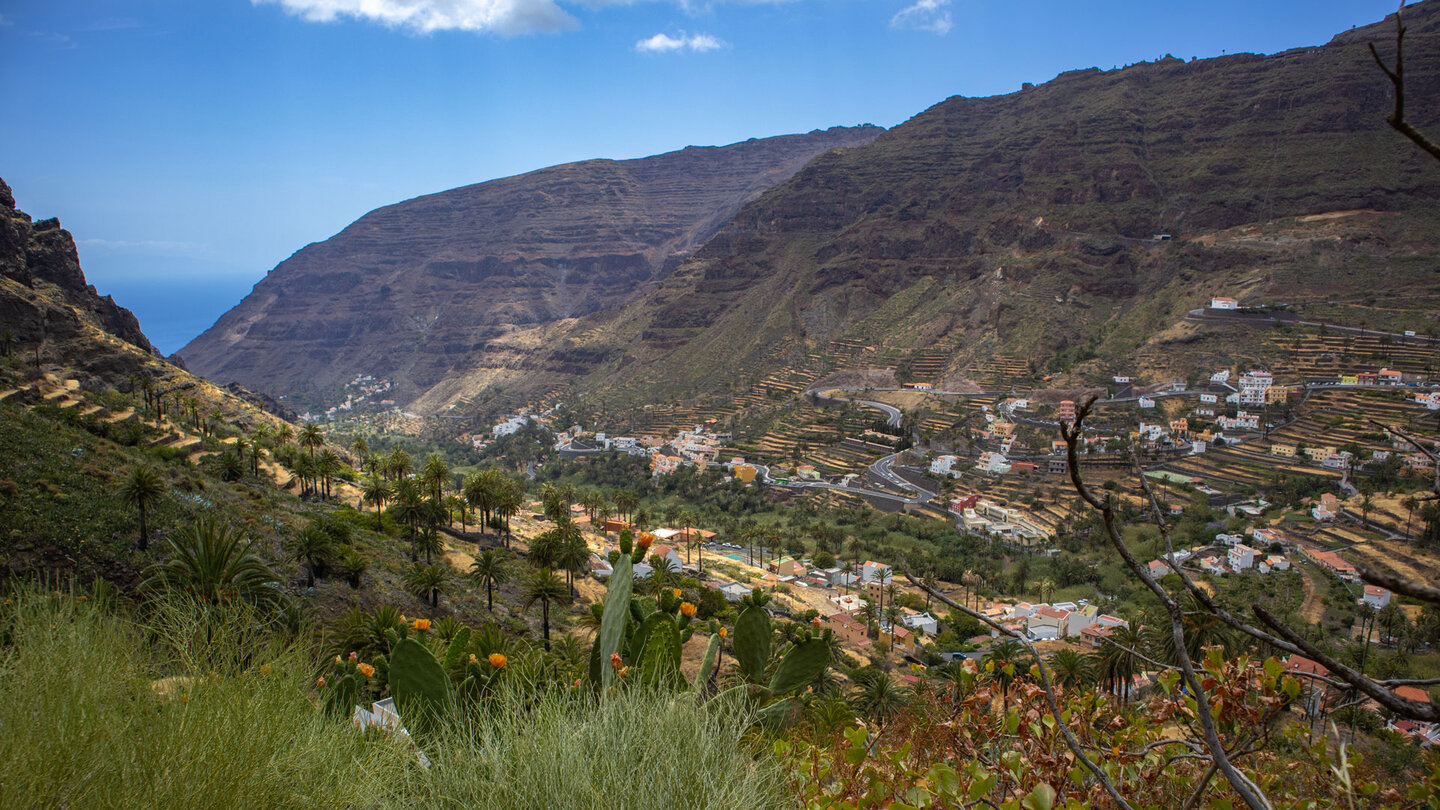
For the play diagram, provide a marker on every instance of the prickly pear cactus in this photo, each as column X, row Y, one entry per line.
column 419, row 684
column 615, row 617
column 752, row 642
column 801, row 665
column 660, row 663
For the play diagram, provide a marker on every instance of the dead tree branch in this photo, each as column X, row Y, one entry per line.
column 1396, row 75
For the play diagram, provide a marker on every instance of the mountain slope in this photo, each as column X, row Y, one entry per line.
column 432, row 287
column 1025, row 225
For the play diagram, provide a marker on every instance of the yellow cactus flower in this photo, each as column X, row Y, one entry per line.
column 724, row 632
column 472, row 658
column 497, row 660
column 687, row 610
column 675, row 593
column 367, row 670
column 422, row 624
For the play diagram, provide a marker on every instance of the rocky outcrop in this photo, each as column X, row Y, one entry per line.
column 1028, row 222
column 42, row 253
column 439, row 285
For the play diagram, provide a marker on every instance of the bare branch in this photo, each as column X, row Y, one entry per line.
column 1249, row 792
column 1425, row 593
column 1397, row 77
column 1413, row 709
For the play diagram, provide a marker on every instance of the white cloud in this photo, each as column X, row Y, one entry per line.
column 664, row 43
column 925, row 15
column 426, row 16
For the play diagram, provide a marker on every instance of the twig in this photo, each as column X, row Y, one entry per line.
column 1397, row 77
column 1249, row 792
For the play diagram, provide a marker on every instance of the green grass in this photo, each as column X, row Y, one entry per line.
column 237, row 725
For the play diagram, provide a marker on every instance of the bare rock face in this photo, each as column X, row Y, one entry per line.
column 43, row 253
column 420, row 290
column 1023, row 223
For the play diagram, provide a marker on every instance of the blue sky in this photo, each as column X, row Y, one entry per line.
column 191, row 145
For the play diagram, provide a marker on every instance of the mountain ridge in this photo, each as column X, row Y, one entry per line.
column 416, row 287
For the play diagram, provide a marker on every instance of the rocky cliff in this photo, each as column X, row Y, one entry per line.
column 450, row 284
column 1086, row 215
column 42, row 255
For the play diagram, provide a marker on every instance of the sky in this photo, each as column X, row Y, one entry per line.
column 192, row 145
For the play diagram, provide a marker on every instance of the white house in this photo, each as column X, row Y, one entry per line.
column 1240, row 557
column 1221, row 377
column 1224, row 303
column 1146, row 402
column 1209, row 399
column 1253, row 387
column 993, row 463
column 923, row 622
column 509, row 426
column 872, row 571
column 1046, row 623
column 1376, row 597
column 943, row 465
column 1121, row 378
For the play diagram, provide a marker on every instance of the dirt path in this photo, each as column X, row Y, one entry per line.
column 1311, row 610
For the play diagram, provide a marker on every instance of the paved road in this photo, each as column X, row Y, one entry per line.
column 1268, row 319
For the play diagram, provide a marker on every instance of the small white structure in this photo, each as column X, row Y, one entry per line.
column 1147, row 402
column 1224, row 303
column 923, row 622
column 1376, row 597
column 944, row 465
column 1240, row 557
column 512, row 425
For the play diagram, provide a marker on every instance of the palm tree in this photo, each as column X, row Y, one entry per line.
column 573, row 557
column 1118, row 660
column 313, row 549
column 376, row 491
column 284, row 434
column 141, row 489
column 686, row 518
column 1070, row 668
column 408, row 506
column 878, row 698
column 1004, row 659
column 483, row 490
column 7, row 341
column 626, row 501
column 427, row 581
column 328, row 468
column 398, row 464
column 430, row 543
column 311, row 438
column 490, row 568
column 512, row 498
column 212, row 561
column 1046, row 587
column 543, row 587
column 360, row 447
column 436, row 473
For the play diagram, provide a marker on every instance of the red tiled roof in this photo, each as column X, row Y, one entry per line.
column 1299, row 663
column 1413, row 693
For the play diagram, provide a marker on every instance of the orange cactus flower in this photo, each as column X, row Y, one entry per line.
column 422, row 624
column 687, row 610
column 354, row 656
column 497, row 660
column 472, row 658
column 815, row 621
column 338, row 659
column 724, row 632
column 320, row 682
column 645, row 540
column 615, row 662
column 367, row 670
column 625, row 672
column 675, row 592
